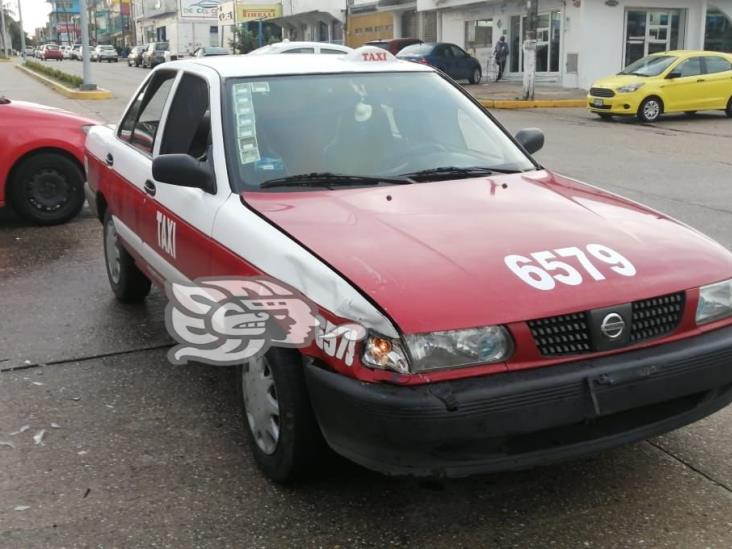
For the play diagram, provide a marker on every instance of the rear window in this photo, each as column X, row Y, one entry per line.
column 161, row 46
column 52, row 47
column 417, row 49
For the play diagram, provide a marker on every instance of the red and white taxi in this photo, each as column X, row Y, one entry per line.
column 41, row 161
column 514, row 316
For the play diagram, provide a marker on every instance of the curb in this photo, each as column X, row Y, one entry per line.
column 63, row 90
column 535, row 104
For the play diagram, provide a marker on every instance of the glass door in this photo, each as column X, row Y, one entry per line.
column 651, row 31
column 548, row 36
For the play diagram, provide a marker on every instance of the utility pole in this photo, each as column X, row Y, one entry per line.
column 532, row 15
column 84, row 22
column 22, row 32
column 4, row 29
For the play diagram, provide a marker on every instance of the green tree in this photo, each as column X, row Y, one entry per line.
column 244, row 41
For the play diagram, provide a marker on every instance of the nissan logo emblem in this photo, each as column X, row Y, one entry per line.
column 612, row 326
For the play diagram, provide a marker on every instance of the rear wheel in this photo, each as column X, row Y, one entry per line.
column 128, row 282
column 47, row 189
column 283, row 433
column 729, row 108
column 650, row 109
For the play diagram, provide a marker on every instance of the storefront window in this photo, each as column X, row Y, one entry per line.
column 718, row 34
column 479, row 34
column 548, row 40
column 652, row 31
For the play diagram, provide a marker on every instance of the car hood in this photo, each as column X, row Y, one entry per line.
column 617, row 80
column 38, row 111
column 431, row 255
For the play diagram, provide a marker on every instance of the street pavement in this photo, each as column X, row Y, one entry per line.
column 137, row 452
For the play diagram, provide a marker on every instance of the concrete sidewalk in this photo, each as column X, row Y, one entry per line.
column 508, row 94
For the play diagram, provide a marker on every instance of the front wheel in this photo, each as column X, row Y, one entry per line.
column 650, row 109
column 128, row 282
column 283, row 433
column 475, row 77
column 47, row 189
column 605, row 116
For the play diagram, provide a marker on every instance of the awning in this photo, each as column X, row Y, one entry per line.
column 305, row 18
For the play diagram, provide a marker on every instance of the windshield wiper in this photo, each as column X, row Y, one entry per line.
column 452, row 171
column 330, row 180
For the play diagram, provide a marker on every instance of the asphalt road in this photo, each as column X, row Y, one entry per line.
column 148, row 454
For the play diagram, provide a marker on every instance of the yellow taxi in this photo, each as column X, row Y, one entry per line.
column 672, row 81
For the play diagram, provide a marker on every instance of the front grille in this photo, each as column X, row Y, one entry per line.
column 656, row 317
column 561, row 335
column 570, row 334
column 601, row 92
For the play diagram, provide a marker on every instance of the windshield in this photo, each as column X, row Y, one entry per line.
column 417, row 49
column 357, row 124
column 653, row 65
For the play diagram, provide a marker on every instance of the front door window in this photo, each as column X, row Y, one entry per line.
column 651, row 31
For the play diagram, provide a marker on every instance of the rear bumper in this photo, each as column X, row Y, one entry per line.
column 522, row 419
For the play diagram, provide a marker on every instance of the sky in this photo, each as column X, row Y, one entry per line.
column 35, row 13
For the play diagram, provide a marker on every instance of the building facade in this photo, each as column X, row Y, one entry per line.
column 185, row 24
column 63, row 22
column 577, row 40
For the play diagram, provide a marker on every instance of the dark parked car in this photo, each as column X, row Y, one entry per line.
column 156, row 54
column 134, row 59
column 393, row 45
column 449, row 58
column 211, row 50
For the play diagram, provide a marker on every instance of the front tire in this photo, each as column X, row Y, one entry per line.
column 128, row 282
column 476, row 76
column 729, row 108
column 650, row 109
column 47, row 189
column 282, row 430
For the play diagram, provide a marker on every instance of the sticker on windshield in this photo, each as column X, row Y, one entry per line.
column 542, row 270
column 246, row 124
column 260, row 87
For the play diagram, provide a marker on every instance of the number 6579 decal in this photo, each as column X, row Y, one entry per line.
column 543, row 270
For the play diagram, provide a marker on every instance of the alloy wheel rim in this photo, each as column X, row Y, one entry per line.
column 261, row 404
column 111, row 252
column 651, row 110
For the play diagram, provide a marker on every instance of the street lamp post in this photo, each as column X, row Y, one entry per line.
column 22, row 32
column 84, row 21
column 4, row 29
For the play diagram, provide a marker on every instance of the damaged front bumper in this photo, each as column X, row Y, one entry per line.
column 521, row 419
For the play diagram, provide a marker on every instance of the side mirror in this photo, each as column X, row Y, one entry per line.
column 673, row 74
column 532, row 139
column 183, row 170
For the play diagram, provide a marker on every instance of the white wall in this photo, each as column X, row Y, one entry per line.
column 335, row 7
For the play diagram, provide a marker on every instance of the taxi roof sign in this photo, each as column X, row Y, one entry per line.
column 370, row 54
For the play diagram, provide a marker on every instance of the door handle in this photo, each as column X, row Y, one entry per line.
column 150, row 188
column 109, row 160
column 701, row 80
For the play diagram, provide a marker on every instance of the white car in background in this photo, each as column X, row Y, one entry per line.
column 302, row 47
column 66, row 50
column 104, row 53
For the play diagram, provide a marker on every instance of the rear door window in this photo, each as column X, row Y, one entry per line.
column 717, row 64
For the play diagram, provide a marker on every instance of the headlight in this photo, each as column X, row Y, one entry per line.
column 454, row 349
column 715, row 302
column 630, row 88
